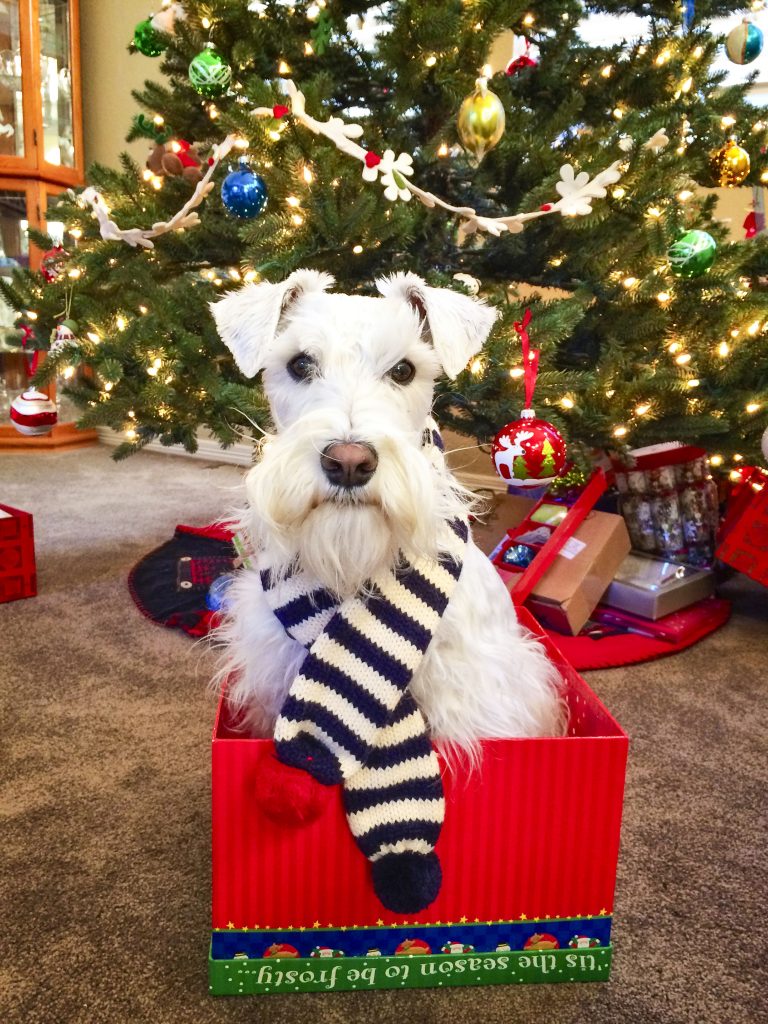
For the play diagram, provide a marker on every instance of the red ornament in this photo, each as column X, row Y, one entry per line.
column 750, row 225
column 52, row 263
column 279, row 111
column 529, row 452
column 372, row 159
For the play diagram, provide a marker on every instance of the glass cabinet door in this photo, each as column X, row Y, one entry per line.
column 14, row 252
column 11, row 110
column 55, row 27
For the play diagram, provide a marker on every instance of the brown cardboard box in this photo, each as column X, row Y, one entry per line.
column 570, row 589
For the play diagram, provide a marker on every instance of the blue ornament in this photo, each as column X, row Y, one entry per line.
column 518, row 554
column 215, row 599
column 243, row 192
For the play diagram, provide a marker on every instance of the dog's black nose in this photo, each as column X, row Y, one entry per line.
column 349, row 464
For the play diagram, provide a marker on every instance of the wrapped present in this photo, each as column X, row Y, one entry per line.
column 18, row 577
column 655, row 587
column 743, row 540
column 669, row 502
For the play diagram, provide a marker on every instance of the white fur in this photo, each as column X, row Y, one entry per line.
column 482, row 676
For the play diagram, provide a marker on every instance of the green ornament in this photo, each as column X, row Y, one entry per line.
column 147, row 39
column 692, row 254
column 209, row 73
column 321, row 33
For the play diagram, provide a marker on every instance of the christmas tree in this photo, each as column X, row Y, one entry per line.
column 653, row 333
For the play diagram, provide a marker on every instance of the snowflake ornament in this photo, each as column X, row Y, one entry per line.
column 577, row 190
column 393, row 173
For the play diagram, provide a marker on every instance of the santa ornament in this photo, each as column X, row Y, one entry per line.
column 33, row 413
column 529, row 452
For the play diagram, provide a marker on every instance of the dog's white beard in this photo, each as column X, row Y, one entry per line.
column 343, row 546
column 343, row 540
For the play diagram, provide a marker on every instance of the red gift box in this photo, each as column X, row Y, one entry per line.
column 744, row 533
column 528, row 850
column 18, row 577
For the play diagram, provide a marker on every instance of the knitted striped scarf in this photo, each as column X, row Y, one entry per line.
column 350, row 718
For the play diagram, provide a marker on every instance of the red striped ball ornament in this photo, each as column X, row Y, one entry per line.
column 33, row 413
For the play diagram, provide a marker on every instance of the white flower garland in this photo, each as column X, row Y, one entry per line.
column 576, row 191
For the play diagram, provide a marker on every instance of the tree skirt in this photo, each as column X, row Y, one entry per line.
column 603, row 647
column 170, row 585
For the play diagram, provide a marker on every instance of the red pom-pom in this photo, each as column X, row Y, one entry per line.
column 289, row 796
column 529, row 452
column 372, row 159
column 279, row 110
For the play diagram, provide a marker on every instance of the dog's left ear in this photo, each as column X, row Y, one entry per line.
column 248, row 319
column 457, row 325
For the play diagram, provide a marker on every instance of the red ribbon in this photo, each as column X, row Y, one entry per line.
column 30, row 362
column 530, row 357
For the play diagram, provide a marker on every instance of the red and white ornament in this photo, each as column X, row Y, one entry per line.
column 52, row 263
column 33, row 413
column 523, row 55
column 529, row 452
column 63, row 336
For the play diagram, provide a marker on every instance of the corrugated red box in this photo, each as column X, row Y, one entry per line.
column 744, row 533
column 18, row 577
column 528, row 850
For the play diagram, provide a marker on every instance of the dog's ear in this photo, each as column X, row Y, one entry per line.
column 457, row 325
column 248, row 319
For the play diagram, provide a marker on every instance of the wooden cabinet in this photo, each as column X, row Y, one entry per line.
column 41, row 154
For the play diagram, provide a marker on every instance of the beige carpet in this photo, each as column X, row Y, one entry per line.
column 104, row 795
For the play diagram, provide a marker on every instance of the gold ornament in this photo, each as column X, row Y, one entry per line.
column 730, row 164
column 481, row 120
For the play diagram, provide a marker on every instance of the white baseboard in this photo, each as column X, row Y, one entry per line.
column 208, row 448
column 241, row 454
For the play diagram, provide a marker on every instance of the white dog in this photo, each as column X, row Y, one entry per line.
column 350, row 483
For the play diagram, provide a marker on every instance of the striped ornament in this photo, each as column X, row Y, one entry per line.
column 33, row 413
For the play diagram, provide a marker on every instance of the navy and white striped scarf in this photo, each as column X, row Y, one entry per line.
column 349, row 716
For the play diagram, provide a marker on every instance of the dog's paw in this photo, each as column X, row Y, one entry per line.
column 289, row 796
column 407, row 882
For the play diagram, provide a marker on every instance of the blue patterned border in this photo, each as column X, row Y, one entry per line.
column 361, row 942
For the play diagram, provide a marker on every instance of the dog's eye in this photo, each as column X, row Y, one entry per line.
column 403, row 372
column 302, row 366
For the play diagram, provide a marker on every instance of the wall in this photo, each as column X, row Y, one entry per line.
column 110, row 72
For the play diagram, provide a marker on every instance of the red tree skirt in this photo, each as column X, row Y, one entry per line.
column 626, row 647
